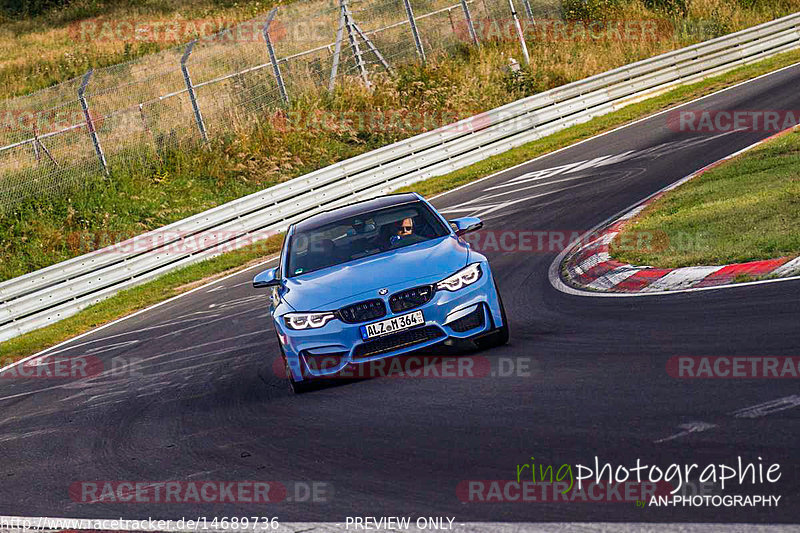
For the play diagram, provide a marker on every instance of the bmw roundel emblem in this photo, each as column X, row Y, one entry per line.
column 383, row 292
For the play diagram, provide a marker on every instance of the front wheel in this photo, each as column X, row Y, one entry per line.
column 296, row 387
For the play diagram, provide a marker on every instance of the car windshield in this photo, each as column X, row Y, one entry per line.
column 362, row 235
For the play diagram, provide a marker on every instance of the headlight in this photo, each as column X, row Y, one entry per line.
column 462, row 278
column 307, row 320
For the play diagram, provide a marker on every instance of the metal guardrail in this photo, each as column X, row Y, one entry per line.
column 56, row 292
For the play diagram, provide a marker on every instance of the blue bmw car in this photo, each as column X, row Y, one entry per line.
column 376, row 279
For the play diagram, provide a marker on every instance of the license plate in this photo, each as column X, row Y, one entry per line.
column 391, row 325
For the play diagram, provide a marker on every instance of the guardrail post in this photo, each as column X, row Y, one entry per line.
column 470, row 26
column 90, row 122
column 519, row 33
column 275, row 68
column 198, row 117
column 414, row 31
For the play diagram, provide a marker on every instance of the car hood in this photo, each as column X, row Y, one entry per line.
column 339, row 285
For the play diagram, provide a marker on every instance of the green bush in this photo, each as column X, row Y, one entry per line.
column 675, row 8
column 589, row 9
column 29, row 8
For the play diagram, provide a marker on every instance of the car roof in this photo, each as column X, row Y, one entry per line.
column 355, row 209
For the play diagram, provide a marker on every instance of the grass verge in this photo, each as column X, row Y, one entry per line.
column 182, row 280
column 746, row 209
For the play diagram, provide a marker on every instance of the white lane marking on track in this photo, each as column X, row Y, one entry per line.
column 691, row 427
column 215, row 289
column 767, row 408
column 584, row 182
column 570, row 168
column 466, row 207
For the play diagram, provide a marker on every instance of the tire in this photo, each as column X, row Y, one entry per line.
column 501, row 335
column 296, row 387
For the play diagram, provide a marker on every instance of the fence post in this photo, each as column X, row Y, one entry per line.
column 528, row 10
column 519, row 33
column 413, row 23
column 90, row 122
column 337, row 51
column 470, row 26
column 198, row 117
column 275, row 68
column 348, row 21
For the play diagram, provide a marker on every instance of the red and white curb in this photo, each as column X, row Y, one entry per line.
column 587, row 265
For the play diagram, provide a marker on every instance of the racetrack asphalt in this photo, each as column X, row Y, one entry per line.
column 589, row 378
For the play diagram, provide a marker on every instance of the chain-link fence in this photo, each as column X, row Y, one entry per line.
column 59, row 137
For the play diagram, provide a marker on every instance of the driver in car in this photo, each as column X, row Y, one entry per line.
column 404, row 229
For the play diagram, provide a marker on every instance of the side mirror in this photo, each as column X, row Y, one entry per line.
column 268, row 278
column 466, row 224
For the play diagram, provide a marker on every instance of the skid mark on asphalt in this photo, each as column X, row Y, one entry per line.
column 170, row 323
column 109, row 380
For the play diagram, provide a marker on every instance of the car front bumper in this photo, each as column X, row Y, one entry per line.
column 325, row 352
